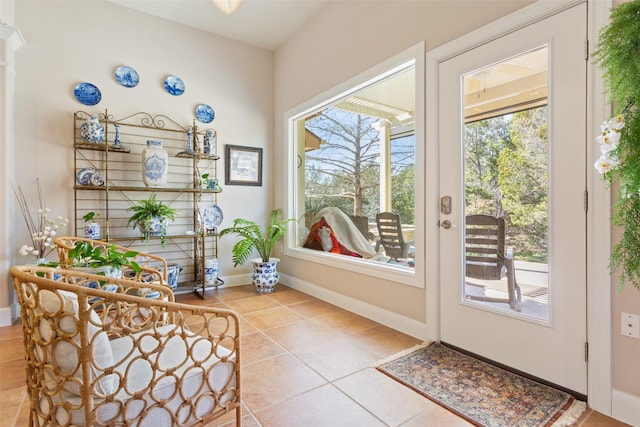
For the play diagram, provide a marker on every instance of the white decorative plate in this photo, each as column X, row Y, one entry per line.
column 83, row 177
column 97, row 179
column 211, row 216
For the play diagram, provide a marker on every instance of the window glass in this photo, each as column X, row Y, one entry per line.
column 356, row 158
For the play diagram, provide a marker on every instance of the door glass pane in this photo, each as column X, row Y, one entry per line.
column 506, row 156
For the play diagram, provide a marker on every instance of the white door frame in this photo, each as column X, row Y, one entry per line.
column 599, row 387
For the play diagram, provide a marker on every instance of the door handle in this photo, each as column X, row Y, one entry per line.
column 446, row 224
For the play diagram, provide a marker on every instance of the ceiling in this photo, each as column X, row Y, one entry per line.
column 262, row 23
column 268, row 24
column 511, row 85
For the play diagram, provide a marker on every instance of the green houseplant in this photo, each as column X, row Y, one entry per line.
column 618, row 55
column 265, row 276
column 151, row 217
column 107, row 261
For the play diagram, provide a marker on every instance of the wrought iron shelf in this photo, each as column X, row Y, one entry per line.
column 146, row 189
column 120, row 164
column 101, row 147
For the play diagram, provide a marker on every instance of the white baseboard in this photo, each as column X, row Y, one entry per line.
column 388, row 318
column 6, row 316
column 236, row 280
column 625, row 407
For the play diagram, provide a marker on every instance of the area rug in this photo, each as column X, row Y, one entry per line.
column 480, row 392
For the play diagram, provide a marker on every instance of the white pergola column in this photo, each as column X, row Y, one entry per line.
column 385, row 165
column 10, row 41
column 300, row 133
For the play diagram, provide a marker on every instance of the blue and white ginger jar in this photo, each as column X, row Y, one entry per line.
column 210, row 143
column 155, row 162
column 210, row 271
column 92, row 131
column 173, row 271
column 92, row 231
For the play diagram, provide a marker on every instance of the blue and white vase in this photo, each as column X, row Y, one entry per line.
column 189, row 148
column 210, row 143
column 92, row 131
column 265, row 277
column 210, row 271
column 173, row 271
column 116, row 138
column 92, row 231
column 155, row 162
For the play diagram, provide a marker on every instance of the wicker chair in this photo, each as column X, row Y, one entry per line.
column 98, row 357
column 154, row 267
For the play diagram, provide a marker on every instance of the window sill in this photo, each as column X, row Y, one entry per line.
column 402, row 275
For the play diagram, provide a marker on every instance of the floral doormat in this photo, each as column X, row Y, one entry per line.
column 480, row 392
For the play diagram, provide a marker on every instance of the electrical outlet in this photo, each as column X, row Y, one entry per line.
column 630, row 325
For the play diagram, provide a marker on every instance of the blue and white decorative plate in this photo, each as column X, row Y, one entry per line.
column 174, row 85
column 205, row 113
column 87, row 93
column 97, row 179
column 127, row 76
column 211, row 217
column 83, row 177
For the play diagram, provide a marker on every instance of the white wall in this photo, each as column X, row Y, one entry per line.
column 73, row 41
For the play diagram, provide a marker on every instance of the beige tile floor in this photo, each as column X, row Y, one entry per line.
column 304, row 363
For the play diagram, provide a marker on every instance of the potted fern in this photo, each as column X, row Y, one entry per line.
column 151, row 217
column 264, row 277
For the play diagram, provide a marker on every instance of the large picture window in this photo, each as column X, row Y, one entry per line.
column 354, row 173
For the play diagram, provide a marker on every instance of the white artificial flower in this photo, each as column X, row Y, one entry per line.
column 606, row 163
column 608, row 141
column 616, row 122
column 42, row 230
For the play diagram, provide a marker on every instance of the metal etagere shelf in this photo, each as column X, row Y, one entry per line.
column 119, row 185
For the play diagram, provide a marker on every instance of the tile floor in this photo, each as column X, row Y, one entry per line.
column 305, row 363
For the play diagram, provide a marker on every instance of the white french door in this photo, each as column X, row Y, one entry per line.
column 538, row 159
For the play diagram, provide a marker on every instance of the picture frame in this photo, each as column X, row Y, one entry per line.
column 243, row 165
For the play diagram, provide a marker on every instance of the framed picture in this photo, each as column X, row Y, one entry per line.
column 243, row 165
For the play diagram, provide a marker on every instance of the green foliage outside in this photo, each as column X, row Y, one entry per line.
column 506, row 174
column 345, row 171
column 403, row 200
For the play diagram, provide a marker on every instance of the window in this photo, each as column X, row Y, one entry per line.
column 355, row 154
